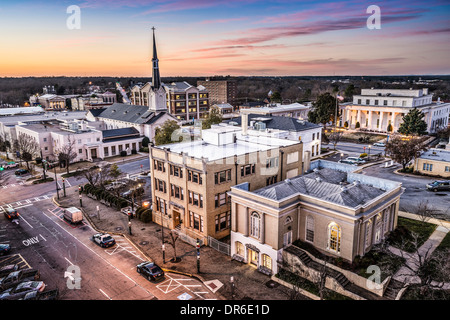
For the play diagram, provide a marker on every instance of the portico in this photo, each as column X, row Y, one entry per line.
column 373, row 119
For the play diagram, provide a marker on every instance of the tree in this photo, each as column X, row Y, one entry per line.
column 163, row 134
column 413, row 123
column 67, row 153
column 334, row 137
column 357, row 125
column 28, row 148
column 275, row 97
column 145, row 142
column 323, row 109
column 173, row 240
column 214, row 117
column 349, row 91
column 404, row 150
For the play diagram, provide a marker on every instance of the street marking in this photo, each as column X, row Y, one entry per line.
column 104, row 294
column 26, row 220
column 68, row 261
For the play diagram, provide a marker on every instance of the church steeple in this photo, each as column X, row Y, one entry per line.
column 156, row 80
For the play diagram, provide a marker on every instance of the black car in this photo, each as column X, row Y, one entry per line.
column 104, row 240
column 439, row 186
column 11, row 213
column 151, row 271
column 21, row 172
column 4, row 249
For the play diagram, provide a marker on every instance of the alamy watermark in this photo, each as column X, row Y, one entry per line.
column 374, row 21
column 73, row 275
column 73, row 22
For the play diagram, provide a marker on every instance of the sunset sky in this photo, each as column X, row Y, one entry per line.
column 218, row 37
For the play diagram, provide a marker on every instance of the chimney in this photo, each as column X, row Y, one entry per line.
column 307, row 161
column 244, row 123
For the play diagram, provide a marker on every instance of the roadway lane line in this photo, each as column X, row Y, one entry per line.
column 96, row 254
column 68, row 261
column 104, row 294
column 20, row 216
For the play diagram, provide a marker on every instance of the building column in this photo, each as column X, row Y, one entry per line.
column 380, row 126
column 393, row 121
column 358, row 118
column 263, row 227
column 246, row 223
column 234, row 223
column 369, row 124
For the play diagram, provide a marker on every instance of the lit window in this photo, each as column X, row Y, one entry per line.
column 334, row 237
column 255, row 225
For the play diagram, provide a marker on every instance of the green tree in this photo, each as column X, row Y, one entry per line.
column 323, row 109
column 145, row 142
column 349, row 91
column 163, row 134
column 276, row 97
column 413, row 123
column 214, row 117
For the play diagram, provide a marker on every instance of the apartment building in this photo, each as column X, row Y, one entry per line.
column 339, row 212
column 190, row 180
column 380, row 109
column 220, row 91
column 186, row 102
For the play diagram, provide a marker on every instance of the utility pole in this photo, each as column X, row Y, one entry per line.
column 56, row 182
column 198, row 255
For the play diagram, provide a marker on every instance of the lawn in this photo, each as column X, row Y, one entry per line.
column 402, row 237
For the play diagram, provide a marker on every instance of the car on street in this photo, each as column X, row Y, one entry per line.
column 46, row 295
column 10, row 165
column 379, row 144
column 21, row 172
column 4, row 249
column 104, row 240
column 11, row 213
column 20, row 290
column 348, row 162
column 443, row 185
column 356, row 159
column 150, row 270
column 5, row 270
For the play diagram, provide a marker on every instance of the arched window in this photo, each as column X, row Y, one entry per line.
column 334, row 237
column 240, row 249
column 255, row 221
column 368, row 233
column 266, row 261
column 288, row 220
column 310, row 229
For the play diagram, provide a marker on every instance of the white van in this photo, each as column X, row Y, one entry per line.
column 73, row 215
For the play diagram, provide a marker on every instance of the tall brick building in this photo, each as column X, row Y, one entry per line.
column 220, row 91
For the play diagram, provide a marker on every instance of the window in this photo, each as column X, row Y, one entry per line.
column 359, row 101
column 272, row 163
column 447, row 168
column 255, row 225
column 287, row 238
column 196, row 221
column 368, row 233
column 222, row 176
column 266, row 261
column 194, row 177
column 176, row 191
column 240, row 249
column 80, row 150
column 159, row 165
column 248, row 170
column 427, row 167
column 376, row 102
column 221, row 199
column 106, row 151
column 161, row 205
column 223, row 221
column 195, row 199
column 176, row 171
column 367, row 101
column 160, row 185
column 292, row 157
column 113, row 150
column 45, row 139
column 271, row 180
column 309, row 229
column 334, row 237
column 384, row 102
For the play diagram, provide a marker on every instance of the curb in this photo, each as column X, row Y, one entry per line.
column 136, row 246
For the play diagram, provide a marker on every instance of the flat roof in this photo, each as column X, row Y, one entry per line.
column 436, row 155
column 244, row 144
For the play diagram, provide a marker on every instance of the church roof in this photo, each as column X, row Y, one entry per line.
column 129, row 113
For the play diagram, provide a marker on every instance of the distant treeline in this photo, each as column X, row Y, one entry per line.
column 288, row 89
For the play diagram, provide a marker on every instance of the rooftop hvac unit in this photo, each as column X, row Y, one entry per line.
column 260, row 126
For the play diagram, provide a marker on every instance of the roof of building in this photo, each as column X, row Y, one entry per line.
column 326, row 184
column 114, row 133
column 96, row 111
column 20, row 110
column 130, row 113
column 278, row 122
column 436, row 155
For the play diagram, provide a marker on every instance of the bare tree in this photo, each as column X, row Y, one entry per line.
column 334, row 137
column 173, row 240
column 67, row 153
column 27, row 147
column 404, row 150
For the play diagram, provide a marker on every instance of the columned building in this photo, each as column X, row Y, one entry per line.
column 382, row 109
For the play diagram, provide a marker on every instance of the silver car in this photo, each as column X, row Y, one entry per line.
column 22, row 289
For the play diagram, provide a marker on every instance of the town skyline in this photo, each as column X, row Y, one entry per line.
column 237, row 38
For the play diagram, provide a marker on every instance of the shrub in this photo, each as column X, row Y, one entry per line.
column 134, row 151
column 363, row 155
column 357, row 125
column 345, row 124
column 146, row 216
column 123, row 153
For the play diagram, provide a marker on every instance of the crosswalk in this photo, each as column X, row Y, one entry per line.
column 12, row 185
column 25, row 203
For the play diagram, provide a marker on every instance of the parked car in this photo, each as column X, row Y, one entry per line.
column 439, row 186
column 11, row 213
column 5, row 270
column 150, row 270
column 46, row 295
column 16, row 277
column 356, row 159
column 4, row 249
column 379, row 144
column 348, row 162
column 22, row 289
column 10, row 165
column 21, row 172
column 104, row 240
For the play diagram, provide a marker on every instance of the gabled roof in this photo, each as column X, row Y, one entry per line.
column 128, row 113
column 278, row 122
column 115, row 133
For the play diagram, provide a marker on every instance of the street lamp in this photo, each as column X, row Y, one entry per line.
column 369, row 150
column 56, row 182
column 342, row 155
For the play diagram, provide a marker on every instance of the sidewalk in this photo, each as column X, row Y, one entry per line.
column 249, row 283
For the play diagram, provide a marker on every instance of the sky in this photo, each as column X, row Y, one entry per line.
column 216, row 37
